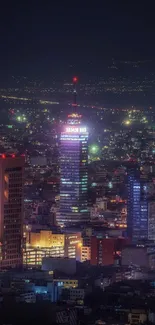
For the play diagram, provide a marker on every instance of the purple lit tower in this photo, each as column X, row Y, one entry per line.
column 74, row 171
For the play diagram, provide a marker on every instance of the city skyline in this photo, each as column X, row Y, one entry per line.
column 77, row 163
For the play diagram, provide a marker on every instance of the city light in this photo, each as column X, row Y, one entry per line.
column 75, row 79
column 110, row 185
column 94, row 149
column 21, row 118
column 127, row 122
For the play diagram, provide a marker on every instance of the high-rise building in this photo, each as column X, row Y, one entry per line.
column 11, row 210
column 74, row 172
column 74, row 175
column 137, row 206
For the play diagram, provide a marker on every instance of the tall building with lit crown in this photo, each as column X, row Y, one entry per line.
column 74, row 172
column 11, row 210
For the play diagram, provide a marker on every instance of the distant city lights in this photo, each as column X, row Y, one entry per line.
column 127, row 122
column 21, row 118
column 110, row 185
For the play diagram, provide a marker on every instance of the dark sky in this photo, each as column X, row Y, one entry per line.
column 66, row 37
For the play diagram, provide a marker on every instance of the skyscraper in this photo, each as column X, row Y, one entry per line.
column 74, row 171
column 11, row 210
column 137, row 205
column 74, row 175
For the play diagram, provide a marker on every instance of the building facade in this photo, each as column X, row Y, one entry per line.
column 44, row 243
column 73, row 246
column 102, row 251
column 46, row 239
column 11, row 210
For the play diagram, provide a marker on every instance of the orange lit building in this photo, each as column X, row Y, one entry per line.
column 46, row 244
column 46, row 238
column 33, row 256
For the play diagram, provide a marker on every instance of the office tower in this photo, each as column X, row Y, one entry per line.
column 74, row 172
column 137, row 205
column 144, row 211
column 11, row 210
column 74, row 176
column 133, row 198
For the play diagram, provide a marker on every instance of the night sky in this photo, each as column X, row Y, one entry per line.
column 74, row 37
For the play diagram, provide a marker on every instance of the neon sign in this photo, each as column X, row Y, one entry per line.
column 76, row 129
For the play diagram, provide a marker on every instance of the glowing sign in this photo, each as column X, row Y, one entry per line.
column 74, row 242
column 76, row 130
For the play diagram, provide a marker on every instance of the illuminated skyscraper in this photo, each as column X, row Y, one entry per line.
column 74, row 175
column 11, row 210
column 74, row 171
column 137, row 206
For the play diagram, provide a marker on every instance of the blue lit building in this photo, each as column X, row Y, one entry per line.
column 51, row 291
column 137, row 206
column 74, row 173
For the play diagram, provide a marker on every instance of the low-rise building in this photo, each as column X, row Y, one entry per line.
column 44, row 243
column 66, row 283
column 137, row 316
column 28, row 297
column 65, row 265
column 139, row 256
column 72, row 294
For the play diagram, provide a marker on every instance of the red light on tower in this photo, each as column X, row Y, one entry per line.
column 75, row 79
column 3, row 156
column 13, row 155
